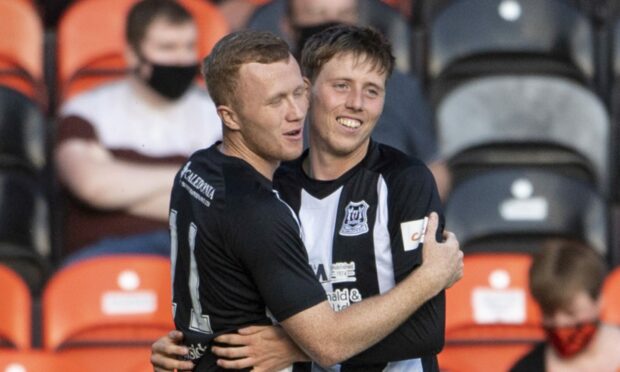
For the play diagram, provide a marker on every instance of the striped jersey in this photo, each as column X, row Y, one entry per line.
column 363, row 234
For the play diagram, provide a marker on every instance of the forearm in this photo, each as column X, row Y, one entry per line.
column 101, row 180
column 420, row 335
column 155, row 207
column 335, row 337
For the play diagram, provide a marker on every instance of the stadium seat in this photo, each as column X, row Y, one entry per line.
column 106, row 359
column 21, row 49
column 109, row 301
column 23, row 132
column 611, row 298
column 492, row 303
column 517, row 209
column 34, row 361
column 88, row 57
column 480, row 358
column 468, row 38
column 491, row 318
column 544, row 121
column 24, row 227
column 15, row 312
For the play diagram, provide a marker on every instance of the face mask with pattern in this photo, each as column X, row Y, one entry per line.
column 569, row 341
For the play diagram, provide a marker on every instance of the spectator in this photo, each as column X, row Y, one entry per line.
column 120, row 145
column 407, row 119
column 566, row 280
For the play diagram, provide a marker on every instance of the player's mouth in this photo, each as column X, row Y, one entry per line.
column 294, row 134
column 349, row 122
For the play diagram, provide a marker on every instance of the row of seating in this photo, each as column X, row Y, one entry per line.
column 452, row 40
column 109, row 303
column 85, row 55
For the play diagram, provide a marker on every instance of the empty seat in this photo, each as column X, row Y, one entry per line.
column 492, row 303
column 480, row 357
column 23, row 132
column 87, row 57
column 491, row 318
column 15, row 312
column 33, row 361
column 24, row 227
column 110, row 301
column 21, row 49
column 517, row 209
column 468, row 38
column 543, row 121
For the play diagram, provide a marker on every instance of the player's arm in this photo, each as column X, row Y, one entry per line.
column 413, row 195
column 95, row 176
column 330, row 337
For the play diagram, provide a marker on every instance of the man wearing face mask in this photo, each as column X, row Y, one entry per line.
column 566, row 280
column 120, row 145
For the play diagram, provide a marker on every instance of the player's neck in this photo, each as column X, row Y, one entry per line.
column 238, row 149
column 325, row 165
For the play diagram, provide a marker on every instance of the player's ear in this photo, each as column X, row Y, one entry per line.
column 229, row 117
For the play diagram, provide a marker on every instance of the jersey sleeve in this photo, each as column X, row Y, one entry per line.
column 412, row 196
column 271, row 249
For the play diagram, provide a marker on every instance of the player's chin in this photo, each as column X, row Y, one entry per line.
column 291, row 151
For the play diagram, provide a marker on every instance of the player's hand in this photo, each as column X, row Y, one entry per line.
column 262, row 348
column 166, row 351
column 443, row 261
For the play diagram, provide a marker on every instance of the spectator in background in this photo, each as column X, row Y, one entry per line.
column 566, row 279
column 407, row 119
column 120, row 145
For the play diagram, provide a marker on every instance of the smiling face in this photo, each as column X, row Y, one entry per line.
column 347, row 99
column 271, row 108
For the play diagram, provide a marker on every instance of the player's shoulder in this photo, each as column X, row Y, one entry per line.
column 391, row 162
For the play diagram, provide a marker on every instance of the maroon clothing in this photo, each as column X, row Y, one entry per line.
column 85, row 225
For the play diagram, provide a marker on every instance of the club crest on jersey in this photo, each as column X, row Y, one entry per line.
column 355, row 219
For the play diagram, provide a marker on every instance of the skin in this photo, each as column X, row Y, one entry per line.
column 309, row 13
column 348, row 90
column 94, row 175
column 603, row 352
column 268, row 126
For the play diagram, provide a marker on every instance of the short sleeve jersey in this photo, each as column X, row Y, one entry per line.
column 237, row 255
column 362, row 232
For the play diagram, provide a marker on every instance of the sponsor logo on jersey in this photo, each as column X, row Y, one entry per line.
column 355, row 219
column 196, row 186
column 342, row 298
column 196, row 351
column 341, row 272
column 412, row 233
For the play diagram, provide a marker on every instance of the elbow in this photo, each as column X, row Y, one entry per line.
column 329, row 353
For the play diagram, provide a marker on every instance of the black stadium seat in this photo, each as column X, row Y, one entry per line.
column 468, row 38
column 23, row 132
column 24, row 227
column 504, row 121
column 517, row 209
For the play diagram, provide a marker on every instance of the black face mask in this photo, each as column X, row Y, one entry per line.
column 305, row 32
column 171, row 81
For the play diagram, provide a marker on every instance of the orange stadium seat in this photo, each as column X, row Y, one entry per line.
column 21, row 49
column 491, row 318
column 480, row 358
column 111, row 301
column 15, row 312
column 492, row 300
column 32, row 361
column 611, row 298
column 91, row 42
